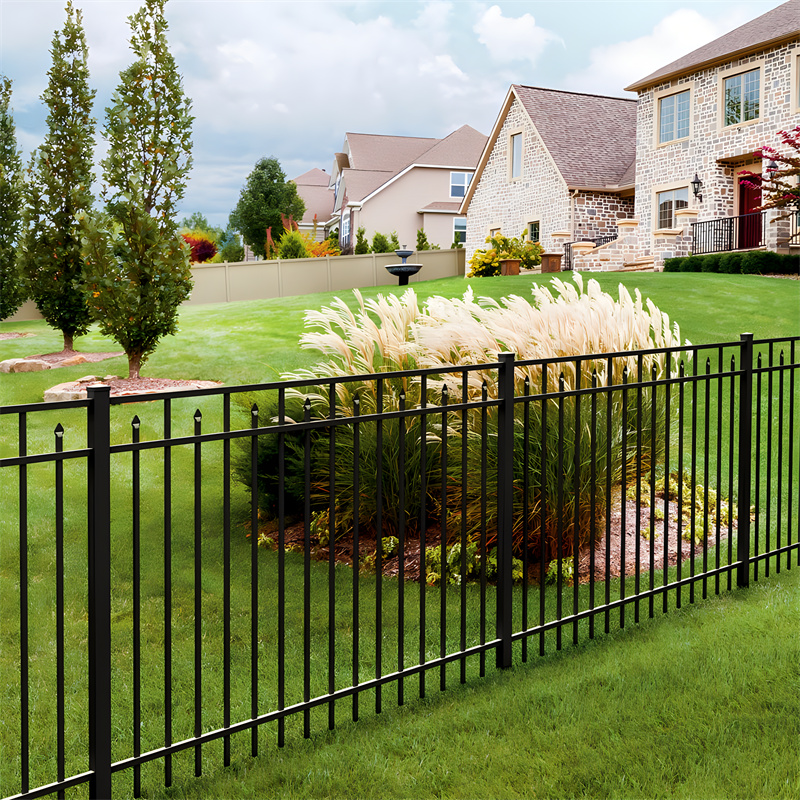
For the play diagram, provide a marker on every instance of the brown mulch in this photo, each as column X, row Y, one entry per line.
column 612, row 541
column 56, row 360
column 4, row 336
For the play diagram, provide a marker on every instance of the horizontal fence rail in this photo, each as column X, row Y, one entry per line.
column 189, row 577
column 743, row 232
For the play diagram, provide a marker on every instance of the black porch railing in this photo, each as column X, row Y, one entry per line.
column 744, row 232
column 597, row 241
column 140, row 624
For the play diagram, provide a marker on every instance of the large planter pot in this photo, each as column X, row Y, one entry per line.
column 551, row 262
column 509, row 266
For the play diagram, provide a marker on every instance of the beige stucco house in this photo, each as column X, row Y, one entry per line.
column 661, row 174
column 314, row 188
column 402, row 184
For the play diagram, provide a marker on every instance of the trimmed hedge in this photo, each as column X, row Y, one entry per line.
column 752, row 262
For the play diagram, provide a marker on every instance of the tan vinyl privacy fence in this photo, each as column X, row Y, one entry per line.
column 260, row 280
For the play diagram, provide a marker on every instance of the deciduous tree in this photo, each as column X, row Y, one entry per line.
column 12, row 292
column 266, row 196
column 780, row 187
column 59, row 188
column 139, row 270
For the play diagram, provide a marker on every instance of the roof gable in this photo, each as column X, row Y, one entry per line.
column 776, row 26
column 591, row 138
column 462, row 148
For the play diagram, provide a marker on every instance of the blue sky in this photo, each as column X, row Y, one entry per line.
column 288, row 79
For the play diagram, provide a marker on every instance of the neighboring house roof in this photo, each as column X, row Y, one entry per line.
column 446, row 206
column 374, row 161
column 385, row 153
column 590, row 138
column 776, row 26
column 312, row 186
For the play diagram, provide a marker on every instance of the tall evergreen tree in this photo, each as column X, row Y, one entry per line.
column 12, row 292
column 139, row 270
column 59, row 188
column 265, row 198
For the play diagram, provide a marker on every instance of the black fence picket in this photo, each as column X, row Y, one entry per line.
column 730, row 412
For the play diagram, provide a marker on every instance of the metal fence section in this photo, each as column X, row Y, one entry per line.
column 729, row 233
column 384, row 530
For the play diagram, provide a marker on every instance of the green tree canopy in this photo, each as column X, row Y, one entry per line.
column 265, row 196
column 12, row 292
column 59, row 188
column 139, row 270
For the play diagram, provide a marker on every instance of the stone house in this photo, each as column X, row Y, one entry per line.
column 558, row 167
column 666, row 170
column 403, row 183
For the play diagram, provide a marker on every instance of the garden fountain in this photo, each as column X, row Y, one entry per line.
column 403, row 271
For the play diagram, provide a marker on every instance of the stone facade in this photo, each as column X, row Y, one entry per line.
column 540, row 194
column 715, row 152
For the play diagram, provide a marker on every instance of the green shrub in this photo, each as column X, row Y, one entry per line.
column 422, row 241
column 381, row 243
column 711, row 262
column 752, row 262
column 293, row 245
column 362, row 245
column 672, row 264
column 729, row 264
column 692, row 264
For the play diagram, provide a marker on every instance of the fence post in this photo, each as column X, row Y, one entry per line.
column 505, row 499
column 99, row 498
column 745, row 459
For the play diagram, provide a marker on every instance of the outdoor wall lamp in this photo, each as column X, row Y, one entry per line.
column 696, row 185
column 771, row 167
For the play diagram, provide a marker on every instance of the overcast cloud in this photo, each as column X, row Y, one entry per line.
column 288, row 79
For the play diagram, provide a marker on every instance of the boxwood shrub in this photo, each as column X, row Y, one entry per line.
column 751, row 262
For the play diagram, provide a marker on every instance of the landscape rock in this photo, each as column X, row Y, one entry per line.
column 73, row 360
column 23, row 365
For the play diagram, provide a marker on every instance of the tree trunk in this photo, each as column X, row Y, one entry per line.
column 68, row 342
column 134, row 364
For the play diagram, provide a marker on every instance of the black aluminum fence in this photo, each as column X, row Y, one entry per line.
column 729, row 233
column 146, row 636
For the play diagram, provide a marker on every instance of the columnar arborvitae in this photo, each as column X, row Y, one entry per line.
column 138, row 263
column 12, row 292
column 59, row 188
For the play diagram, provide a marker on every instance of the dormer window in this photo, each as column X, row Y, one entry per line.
column 459, row 181
column 673, row 116
column 742, row 97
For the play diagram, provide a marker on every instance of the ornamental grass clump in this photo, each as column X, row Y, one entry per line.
column 561, row 460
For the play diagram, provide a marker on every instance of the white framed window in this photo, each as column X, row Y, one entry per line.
column 460, row 229
column 345, row 237
column 674, row 112
column 515, row 156
column 459, row 181
column 796, row 84
column 741, row 97
column 667, row 203
column 533, row 231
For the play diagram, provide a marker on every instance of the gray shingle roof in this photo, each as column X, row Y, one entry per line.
column 780, row 24
column 591, row 138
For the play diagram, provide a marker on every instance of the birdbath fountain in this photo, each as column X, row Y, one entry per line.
column 403, row 271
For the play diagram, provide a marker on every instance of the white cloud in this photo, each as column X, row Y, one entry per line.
column 512, row 38
column 612, row 67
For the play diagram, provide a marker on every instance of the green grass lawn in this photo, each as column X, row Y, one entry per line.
column 700, row 703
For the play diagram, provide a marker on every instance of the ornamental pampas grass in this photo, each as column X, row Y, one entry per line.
column 568, row 322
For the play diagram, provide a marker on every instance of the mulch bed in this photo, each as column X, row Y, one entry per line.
column 613, row 542
column 4, row 336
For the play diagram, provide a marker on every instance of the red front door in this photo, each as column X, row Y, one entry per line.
column 750, row 226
